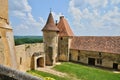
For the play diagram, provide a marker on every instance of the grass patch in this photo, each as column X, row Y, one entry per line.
column 86, row 73
column 44, row 74
column 78, row 72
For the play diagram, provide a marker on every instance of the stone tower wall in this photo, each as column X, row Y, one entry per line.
column 63, row 48
column 7, row 48
column 4, row 10
column 7, row 40
column 50, row 46
column 1, row 51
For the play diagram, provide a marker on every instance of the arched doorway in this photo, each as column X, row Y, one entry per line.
column 40, row 62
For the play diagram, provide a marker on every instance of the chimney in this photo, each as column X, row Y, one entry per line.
column 56, row 22
column 61, row 17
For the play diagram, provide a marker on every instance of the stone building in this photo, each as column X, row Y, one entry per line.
column 7, row 49
column 97, row 51
column 50, row 38
column 93, row 50
column 30, row 56
column 65, row 37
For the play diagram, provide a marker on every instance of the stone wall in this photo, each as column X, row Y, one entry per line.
column 63, row 48
column 101, row 58
column 50, row 39
column 7, row 73
column 25, row 53
column 4, row 10
column 2, row 60
column 7, row 41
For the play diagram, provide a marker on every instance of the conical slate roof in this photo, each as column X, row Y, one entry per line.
column 50, row 25
column 64, row 27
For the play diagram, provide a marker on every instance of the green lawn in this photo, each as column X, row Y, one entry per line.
column 86, row 73
column 80, row 72
column 44, row 74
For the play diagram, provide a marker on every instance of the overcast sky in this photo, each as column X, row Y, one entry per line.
column 86, row 17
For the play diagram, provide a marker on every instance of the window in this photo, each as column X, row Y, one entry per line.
column 20, row 60
column 99, row 61
column 78, row 58
column 0, row 36
column 61, row 38
column 100, row 54
column 79, row 51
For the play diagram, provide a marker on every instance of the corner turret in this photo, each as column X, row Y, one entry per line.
column 50, row 38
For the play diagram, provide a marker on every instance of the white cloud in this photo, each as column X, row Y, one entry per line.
column 97, row 3
column 26, row 24
column 18, row 14
column 95, row 16
column 20, row 5
column 115, row 2
column 56, row 16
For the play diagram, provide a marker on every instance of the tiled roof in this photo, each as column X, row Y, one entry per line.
column 50, row 26
column 64, row 28
column 101, row 44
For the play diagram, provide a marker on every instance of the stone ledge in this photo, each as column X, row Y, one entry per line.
column 16, row 74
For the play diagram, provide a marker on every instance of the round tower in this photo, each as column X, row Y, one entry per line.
column 7, row 48
column 50, row 38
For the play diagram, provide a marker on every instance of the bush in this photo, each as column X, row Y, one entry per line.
column 20, row 41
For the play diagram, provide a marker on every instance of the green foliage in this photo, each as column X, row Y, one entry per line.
column 19, row 41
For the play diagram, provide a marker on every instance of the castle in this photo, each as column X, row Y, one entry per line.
column 59, row 44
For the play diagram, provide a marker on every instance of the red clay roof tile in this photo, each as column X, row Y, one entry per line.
column 95, row 43
column 64, row 27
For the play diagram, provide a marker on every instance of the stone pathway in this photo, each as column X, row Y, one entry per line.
column 49, row 69
column 116, row 71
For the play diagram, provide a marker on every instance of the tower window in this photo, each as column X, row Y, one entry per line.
column 20, row 60
column 0, row 36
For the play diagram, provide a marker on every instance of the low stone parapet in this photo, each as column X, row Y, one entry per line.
column 15, row 74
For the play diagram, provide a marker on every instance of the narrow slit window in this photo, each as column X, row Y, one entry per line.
column 20, row 60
